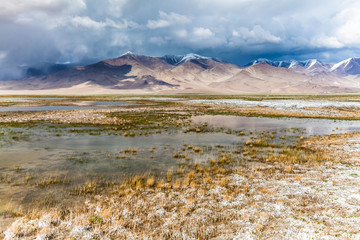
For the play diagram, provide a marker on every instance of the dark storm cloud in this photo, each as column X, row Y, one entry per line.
column 34, row 31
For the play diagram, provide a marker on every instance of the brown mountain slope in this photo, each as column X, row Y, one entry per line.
column 152, row 74
column 264, row 78
column 126, row 72
column 153, row 64
column 195, row 75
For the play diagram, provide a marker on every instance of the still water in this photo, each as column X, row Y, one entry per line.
column 311, row 126
column 80, row 155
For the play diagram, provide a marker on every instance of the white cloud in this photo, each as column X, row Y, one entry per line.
column 339, row 31
column 104, row 29
column 326, row 41
column 81, row 50
column 157, row 41
column 116, row 7
column 89, row 23
column 24, row 20
column 235, row 33
column 167, row 20
column 181, row 33
column 257, row 35
column 224, row 19
column 348, row 31
column 3, row 54
column 203, row 33
column 119, row 39
column 14, row 9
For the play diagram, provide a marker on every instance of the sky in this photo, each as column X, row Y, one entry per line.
column 236, row 31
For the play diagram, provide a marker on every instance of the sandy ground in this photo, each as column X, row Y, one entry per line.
column 87, row 89
column 81, row 89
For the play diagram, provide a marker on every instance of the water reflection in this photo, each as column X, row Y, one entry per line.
column 311, row 125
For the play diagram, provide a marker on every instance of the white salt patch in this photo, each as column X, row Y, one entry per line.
column 290, row 105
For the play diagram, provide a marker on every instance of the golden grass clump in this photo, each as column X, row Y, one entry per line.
column 191, row 175
column 150, row 182
column 169, row 176
column 225, row 159
column 196, row 149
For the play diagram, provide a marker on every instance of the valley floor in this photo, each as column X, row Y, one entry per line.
column 261, row 190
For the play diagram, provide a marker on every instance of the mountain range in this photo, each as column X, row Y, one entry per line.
column 191, row 73
column 349, row 66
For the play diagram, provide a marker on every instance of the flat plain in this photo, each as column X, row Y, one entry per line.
column 180, row 167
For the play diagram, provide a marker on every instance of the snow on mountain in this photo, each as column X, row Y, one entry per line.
column 173, row 59
column 127, row 53
column 179, row 59
column 342, row 63
column 192, row 56
column 284, row 64
column 270, row 62
column 349, row 66
column 196, row 73
column 293, row 63
column 308, row 65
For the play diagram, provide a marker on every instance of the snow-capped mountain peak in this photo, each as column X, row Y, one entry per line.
column 127, row 54
column 293, row 63
column 310, row 63
column 342, row 63
column 192, row 56
column 288, row 64
column 349, row 66
column 267, row 61
column 179, row 59
column 284, row 64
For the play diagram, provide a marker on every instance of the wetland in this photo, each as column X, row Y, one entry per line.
column 85, row 166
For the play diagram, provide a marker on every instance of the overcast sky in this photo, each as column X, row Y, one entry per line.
column 238, row 31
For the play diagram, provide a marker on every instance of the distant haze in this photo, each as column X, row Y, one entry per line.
column 237, row 31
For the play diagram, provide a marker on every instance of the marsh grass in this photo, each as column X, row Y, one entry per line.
column 228, row 196
column 154, row 119
column 194, row 193
column 48, row 182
